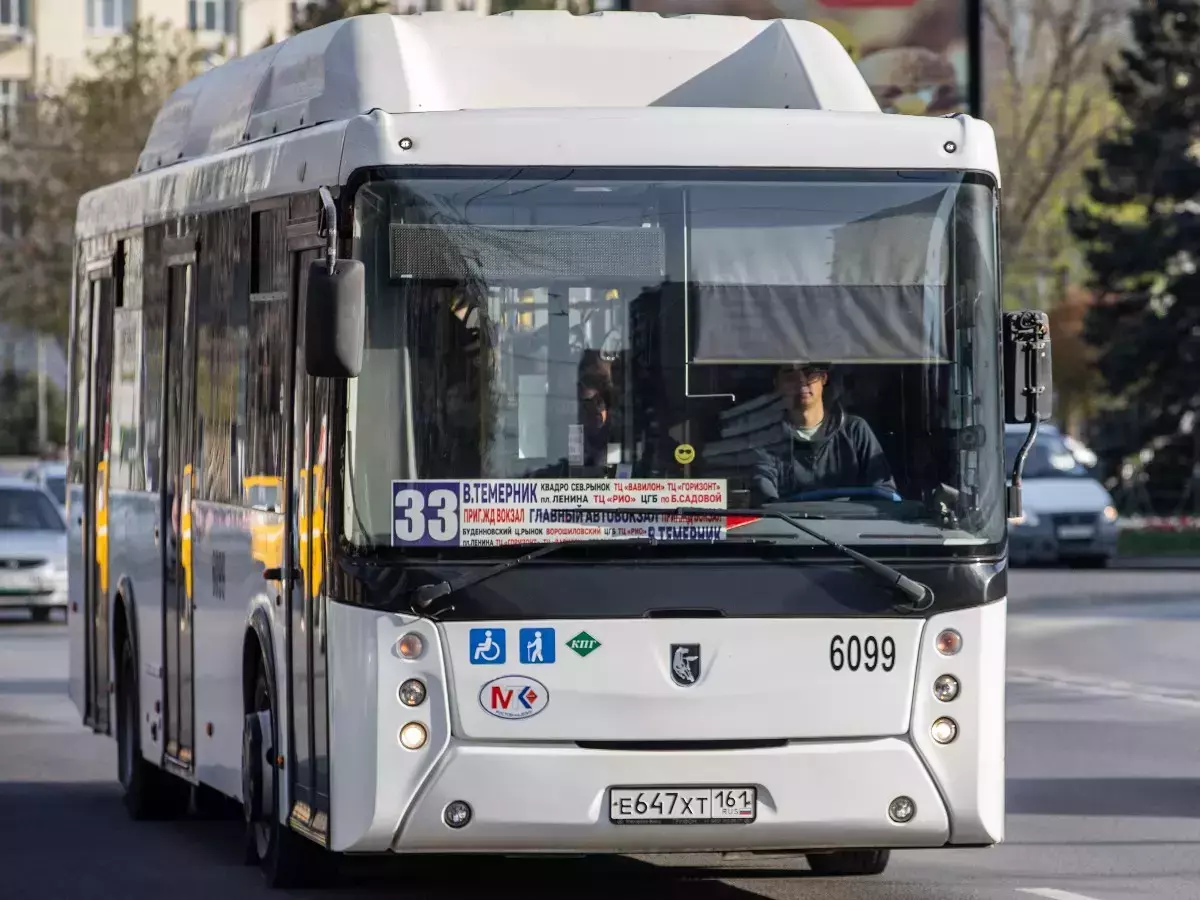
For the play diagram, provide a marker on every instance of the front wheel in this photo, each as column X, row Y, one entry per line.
column 287, row 859
column 149, row 792
column 849, row 862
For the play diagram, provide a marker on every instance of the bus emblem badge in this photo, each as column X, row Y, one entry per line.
column 685, row 663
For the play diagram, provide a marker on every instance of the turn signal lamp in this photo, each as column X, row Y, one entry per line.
column 949, row 642
column 410, row 646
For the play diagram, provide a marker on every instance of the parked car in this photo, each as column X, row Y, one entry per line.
column 33, row 549
column 1068, row 516
column 53, row 477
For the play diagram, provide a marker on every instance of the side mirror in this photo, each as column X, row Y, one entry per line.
column 334, row 319
column 1028, row 386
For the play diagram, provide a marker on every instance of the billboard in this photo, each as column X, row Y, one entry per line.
column 918, row 56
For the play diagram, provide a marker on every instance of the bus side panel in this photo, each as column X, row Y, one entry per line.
column 141, row 543
column 970, row 770
column 374, row 781
column 77, row 353
column 137, row 565
column 228, row 585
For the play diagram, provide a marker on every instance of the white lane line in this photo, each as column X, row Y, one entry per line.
column 1103, row 687
column 1054, row 894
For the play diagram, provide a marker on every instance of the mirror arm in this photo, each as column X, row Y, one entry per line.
column 1014, row 488
column 327, row 226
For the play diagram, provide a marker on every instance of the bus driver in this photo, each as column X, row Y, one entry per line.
column 827, row 448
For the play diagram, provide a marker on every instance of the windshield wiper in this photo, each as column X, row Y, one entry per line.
column 423, row 597
column 920, row 595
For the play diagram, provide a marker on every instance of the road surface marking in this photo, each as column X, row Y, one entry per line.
column 1103, row 687
column 1054, row 894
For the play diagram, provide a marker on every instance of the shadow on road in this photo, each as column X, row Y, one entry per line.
column 74, row 840
column 1151, row 797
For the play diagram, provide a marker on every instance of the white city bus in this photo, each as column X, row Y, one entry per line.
column 507, row 434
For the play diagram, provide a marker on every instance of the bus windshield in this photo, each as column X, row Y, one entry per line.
column 818, row 342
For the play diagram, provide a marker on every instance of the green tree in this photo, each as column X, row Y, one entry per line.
column 1141, row 231
column 1048, row 106
column 70, row 141
column 322, row 12
column 19, row 414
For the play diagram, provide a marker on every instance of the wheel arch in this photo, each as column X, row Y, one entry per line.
column 257, row 650
column 122, row 626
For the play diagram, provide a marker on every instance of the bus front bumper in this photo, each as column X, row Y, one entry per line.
column 555, row 798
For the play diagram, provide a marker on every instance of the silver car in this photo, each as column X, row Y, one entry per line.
column 33, row 549
column 53, row 477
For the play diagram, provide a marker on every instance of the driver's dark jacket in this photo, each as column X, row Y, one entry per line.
column 843, row 453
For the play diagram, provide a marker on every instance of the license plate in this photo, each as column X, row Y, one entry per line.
column 1076, row 532
column 682, row 805
column 15, row 583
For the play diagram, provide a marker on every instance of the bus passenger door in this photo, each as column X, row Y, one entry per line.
column 93, row 516
column 178, row 481
column 310, row 773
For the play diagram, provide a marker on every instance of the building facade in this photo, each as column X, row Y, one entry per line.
column 46, row 42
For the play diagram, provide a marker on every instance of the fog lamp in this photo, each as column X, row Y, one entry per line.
column 902, row 809
column 457, row 813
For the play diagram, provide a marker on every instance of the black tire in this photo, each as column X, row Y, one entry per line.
column 149, row 792
column 41, row 613
column 287, row 859
column 845, row 863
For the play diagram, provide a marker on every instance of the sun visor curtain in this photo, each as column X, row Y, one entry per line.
column 871, row 290
column 528, row 253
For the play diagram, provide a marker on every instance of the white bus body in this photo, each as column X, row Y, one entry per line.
column 203, row 464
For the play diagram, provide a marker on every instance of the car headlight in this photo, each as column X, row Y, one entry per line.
column 1110, row 514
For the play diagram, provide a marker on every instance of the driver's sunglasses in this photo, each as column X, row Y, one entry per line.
column 805, row 374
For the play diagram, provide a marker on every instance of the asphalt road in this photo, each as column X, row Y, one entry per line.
column 1103, row 792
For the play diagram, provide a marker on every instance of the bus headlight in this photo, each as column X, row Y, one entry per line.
column 413, row 736
column 412, row 692
column 944, row 730
column 945, row 688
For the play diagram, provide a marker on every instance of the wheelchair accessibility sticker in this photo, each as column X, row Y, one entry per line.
column 487, row 646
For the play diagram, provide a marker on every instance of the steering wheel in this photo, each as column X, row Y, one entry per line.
column 844, row 493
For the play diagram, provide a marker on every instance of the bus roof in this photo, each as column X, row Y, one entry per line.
column 442, row 62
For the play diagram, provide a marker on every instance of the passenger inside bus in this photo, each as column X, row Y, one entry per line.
column 825, row 448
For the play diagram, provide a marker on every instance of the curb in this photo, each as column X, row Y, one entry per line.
column 1156, row 562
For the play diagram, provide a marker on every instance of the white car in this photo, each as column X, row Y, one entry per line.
column 1068, row 516
column 53, row 477
column 33, row 549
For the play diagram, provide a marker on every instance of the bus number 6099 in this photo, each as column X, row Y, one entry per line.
column 856, row 653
